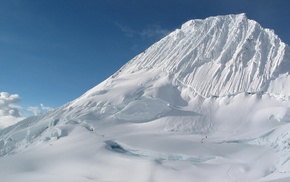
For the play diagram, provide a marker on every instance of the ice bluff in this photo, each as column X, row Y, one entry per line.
column 220, row 56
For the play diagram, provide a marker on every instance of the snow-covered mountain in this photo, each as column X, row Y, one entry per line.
column 209, row 102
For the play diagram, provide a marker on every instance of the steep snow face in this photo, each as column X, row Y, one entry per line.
column 208, row 102
column 220, row 56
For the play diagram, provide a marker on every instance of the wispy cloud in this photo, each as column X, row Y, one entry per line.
column 148, row 32
column 154, row 31
column 128, row 31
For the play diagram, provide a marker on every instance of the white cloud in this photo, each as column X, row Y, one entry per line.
column 37, row 110
column 9, row 110
column 7, row 104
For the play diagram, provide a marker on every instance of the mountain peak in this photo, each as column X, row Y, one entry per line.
column 231, row 17
column 219, row 55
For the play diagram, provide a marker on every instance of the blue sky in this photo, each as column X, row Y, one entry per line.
column 52, row 51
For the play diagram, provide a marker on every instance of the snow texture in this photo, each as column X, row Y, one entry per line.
column 209, row 102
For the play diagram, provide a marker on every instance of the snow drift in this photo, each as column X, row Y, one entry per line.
column 208, row 102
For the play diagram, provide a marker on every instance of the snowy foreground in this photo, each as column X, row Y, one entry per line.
column 209, row 102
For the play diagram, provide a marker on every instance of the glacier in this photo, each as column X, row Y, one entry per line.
column 208, row 102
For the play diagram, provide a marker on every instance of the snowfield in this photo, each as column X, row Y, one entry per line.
column 209, row 102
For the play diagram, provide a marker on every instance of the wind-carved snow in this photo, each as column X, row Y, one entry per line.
column 210, row 102
column 144, row 109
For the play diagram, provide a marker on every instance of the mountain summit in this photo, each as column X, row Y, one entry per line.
column 210, row 102
column 219, row 56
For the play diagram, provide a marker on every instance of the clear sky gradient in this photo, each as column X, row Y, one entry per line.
column 52, row 51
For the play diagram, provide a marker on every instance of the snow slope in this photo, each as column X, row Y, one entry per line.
column 209, row 102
